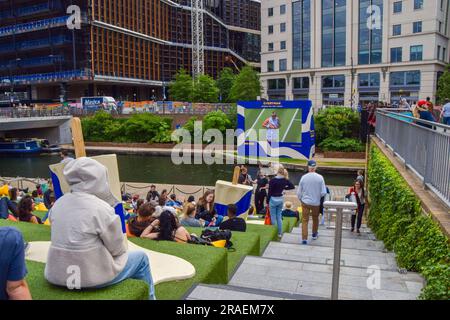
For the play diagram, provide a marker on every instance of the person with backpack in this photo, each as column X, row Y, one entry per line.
column 358, row 194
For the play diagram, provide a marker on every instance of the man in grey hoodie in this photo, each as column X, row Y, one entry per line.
column 86, row 235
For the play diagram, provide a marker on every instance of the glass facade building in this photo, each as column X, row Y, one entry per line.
column 370, row 31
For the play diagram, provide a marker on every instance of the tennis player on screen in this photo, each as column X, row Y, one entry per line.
column 272, row 124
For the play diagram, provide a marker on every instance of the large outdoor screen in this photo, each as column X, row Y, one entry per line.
column 276, row 129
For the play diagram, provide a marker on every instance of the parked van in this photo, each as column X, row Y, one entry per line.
column 99, row 103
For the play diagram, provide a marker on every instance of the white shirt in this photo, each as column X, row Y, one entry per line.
column 446, row 109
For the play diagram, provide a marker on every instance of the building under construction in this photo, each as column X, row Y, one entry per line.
column 129, row 49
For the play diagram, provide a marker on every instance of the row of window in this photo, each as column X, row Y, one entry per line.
column 282, row 46
column 398, row 5
column 365, row 80
column 397, row 28
column 282, row 8
column 282, row 28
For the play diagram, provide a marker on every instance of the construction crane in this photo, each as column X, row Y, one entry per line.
column 198, row 45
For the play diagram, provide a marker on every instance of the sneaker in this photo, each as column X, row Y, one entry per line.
column 358, row 232
column 280, row 236
column 304, row 241
column 352, row 230
column 315, row 236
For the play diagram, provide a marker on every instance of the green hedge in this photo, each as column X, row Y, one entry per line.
column 396, row 218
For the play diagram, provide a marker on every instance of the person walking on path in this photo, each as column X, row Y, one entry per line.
column 357, row 193
column 276, row 187
column 445, row 113
column 310, row 189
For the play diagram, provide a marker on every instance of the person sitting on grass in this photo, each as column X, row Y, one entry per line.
column 144, row 218
column 9, row 205
column 12, row 265
column 167, row 228
column 173, row 202
column 36, row 197
column 233, row 223
column 206, row 210
column 288, row 212
column 153, row 195
column 188, row 218
column 26, row 208
column 87, row 233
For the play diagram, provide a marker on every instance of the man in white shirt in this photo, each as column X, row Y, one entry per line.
column 310, row 189
column 445, row 113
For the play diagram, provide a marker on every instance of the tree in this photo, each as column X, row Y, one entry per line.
column 181, row 88
column 225, row 83
column 205, row 90
column 443, row 91
column 246, row 86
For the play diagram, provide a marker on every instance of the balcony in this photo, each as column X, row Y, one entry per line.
column 33, row 26
column 46, row 77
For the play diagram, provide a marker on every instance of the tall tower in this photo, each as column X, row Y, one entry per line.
column 198, row 49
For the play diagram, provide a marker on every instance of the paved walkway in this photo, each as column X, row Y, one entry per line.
column 289, row 270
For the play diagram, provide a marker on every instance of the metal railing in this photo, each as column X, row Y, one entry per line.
column 28, row 112
column 423, row 146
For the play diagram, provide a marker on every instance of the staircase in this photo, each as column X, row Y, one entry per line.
column 290, row 270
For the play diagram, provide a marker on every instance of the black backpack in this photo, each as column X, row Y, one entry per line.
column 215, row 235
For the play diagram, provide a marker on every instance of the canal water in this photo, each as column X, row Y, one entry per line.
column 152, row 169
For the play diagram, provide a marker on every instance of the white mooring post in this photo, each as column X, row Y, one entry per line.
column 341, row 208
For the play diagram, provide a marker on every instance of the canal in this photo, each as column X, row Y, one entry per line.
column 152, row 169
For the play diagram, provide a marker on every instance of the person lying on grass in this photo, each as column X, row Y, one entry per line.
column 12, row 265
column 87, row 233
column 167, row 228
column 26, row 208
column 188, row 218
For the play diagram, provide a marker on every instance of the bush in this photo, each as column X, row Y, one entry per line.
column 345, row 145
column 396, row 218
column 102, row 127
column 336, row 122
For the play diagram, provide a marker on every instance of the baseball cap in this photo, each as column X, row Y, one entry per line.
column 312, row 163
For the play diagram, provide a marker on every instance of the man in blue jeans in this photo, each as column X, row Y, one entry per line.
column 310, row 190
column 12, row 266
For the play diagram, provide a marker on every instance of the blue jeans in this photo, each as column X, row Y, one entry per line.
column 276, row 206
column 137, row 267
column 447, row 121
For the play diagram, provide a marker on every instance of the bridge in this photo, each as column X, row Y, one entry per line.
column 53, row 125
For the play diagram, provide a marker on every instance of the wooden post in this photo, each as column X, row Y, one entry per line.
column 77, row 136
column 236, row 173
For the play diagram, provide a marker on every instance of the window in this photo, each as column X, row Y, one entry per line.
column 444, row 57
column 416, row 53
column 439, row 52
column 270, row 12
column 270, row 46
column 404, row 78
column 337, row 81
column 396, row 29
column 333, row 32
column 277, row 84
column 417, row 27
column 282, row 9
column 418, row 4
column 397, row 6
column 301, row 83
column 283, row 27
column 370, row 38
column 396, row 54
column 270, row 29
column 440, row 27
column 283, row 64
column 283, row 45
column 369, row 80
column 301, row 34
column 270, row 66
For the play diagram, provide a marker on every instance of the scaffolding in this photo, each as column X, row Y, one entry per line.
column 198, row 46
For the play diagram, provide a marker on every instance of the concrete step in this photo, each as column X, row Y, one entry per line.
column 314, row 279
column 229, row 292
column 324, row 255
column 324, row 241
column 365, row 234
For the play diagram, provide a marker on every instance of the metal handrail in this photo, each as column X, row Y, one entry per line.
column 394, row 111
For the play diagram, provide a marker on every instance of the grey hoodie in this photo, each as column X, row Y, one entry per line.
column 85, row 231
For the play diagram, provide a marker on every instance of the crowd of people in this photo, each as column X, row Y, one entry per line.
column 91, row 237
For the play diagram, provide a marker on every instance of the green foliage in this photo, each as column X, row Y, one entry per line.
column 246, row 86
column 205, row 90
column 337, row 129
column 443, row 90
column 102, row 127
column 225, row 83
column 181, row 88
column 217, row 120
column 344, row 144
column 396, row 218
